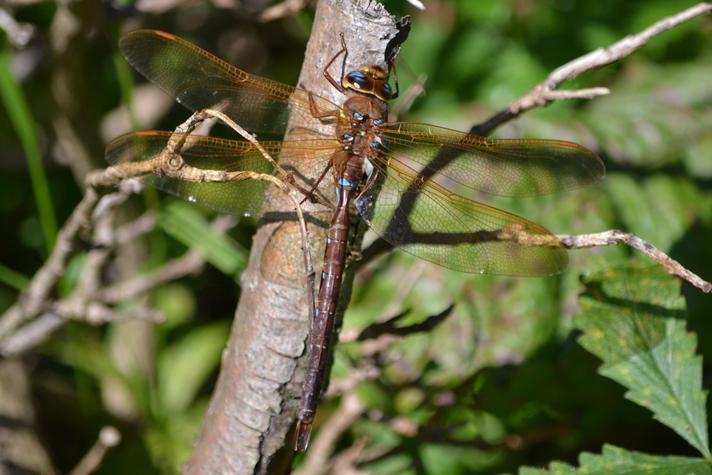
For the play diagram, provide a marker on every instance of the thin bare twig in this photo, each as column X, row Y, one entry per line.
column 544, row 93
column 581, row 241
column 31, row 300
column 615, row 236
column 39, row 330
column 89, row 303
column 318, row 460
column 131, row 231
column 19, row 34
column 282, row 9
column 108, row 437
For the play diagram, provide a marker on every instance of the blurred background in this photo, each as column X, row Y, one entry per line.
column 502, row 381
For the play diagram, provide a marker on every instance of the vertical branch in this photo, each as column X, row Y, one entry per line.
column 254, row 405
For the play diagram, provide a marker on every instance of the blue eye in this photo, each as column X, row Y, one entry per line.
column 358, row 116
column 375, row 145
column 347, row 137
column 377, row 121
column 387, row 90
column 356, row 75
column 357, row 79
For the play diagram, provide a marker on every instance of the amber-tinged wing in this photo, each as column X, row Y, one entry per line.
column 502, row 167
column 242, row 198
column 430, row 222
column 199, row 80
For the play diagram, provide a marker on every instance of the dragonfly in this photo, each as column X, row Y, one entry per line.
column 409, row 182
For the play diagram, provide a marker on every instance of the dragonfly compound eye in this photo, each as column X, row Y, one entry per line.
column 357, row 80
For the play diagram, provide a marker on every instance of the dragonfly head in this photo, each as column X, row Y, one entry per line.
column 371, row 79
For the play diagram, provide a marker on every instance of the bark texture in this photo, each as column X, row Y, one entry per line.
column 249, row 423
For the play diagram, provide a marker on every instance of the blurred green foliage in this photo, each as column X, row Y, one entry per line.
column 509, row 379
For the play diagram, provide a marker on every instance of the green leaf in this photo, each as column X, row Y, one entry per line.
column 644, row 203
column 184, row 366
column 187, row 224
column 21, row 117
column 620, row 461
column 12, row 278
column 632, row 319
column 177, row 302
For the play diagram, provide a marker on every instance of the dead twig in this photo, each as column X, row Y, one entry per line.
column 18, row 34
column 319, row 458
column 615, row 236
column 282, row 9
column 88, row 302
column 544, row 93
column 31, row 300
column 108, row 437
column 189, row 263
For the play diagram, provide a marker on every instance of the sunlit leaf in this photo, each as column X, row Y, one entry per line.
column 184, row 366
column 615, row 460
column 632, row 318
column 188, row 225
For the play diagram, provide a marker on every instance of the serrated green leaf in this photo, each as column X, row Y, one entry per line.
column 632, row 320
column 185, row 223
column 184, row 366
column 615, row 460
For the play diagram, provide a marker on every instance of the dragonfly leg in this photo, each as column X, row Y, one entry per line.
column 325, row 117
column 369, row 184
column 310, row 194
column 339, row 87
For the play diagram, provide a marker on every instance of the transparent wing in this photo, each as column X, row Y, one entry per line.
column 430, row 222
column 209, row 153
column 199, row 80
column 502, row 167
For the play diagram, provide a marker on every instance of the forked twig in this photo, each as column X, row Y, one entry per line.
column 545, row 92
column 91, row 305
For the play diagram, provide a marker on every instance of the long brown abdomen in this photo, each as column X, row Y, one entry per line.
column 323, row 324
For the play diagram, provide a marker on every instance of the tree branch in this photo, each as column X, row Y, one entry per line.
column 254, row 405
column 614, row 236
column 545, row 92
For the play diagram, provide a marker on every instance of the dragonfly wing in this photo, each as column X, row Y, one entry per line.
column 426, row 220
column 502, row 167
column 242, row 198
column 199, row 80
column 309, row 154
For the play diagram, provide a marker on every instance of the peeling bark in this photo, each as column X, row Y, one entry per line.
column 248, row 426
